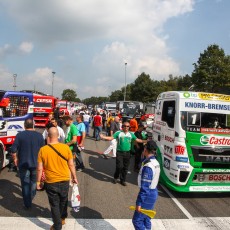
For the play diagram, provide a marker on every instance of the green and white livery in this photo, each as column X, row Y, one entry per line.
column 192, row 133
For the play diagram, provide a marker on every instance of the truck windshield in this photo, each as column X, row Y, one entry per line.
column 62, row 105
column 130, row 108
column 150, row 109
column 42, row 105
column 204, row 121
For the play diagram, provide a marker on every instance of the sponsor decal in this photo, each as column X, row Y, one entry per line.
column 213, row 96
column 167, row 155
column 161, row 123
column 218, row 159
column 182, row 166
column 173, row 176
column 158, row 127
column 219, row 177
column 12, row 127
column 179, row 149
column 209, row 106
column 174, row 169
column 215, row 140
column 2, row 134
column 193, row 129
column 168, row 149
column 216, row 170
column 43, row 100
column 215, row 131
column 182, row 159
column 186, row 94
column 209, row 188
column 166, row 163
column 169, row 139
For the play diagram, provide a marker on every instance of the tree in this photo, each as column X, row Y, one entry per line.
column 69, row 95
column 116, row 95
column 143, row 89
column 211, row 72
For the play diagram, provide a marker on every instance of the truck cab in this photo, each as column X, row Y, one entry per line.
column 192, row 134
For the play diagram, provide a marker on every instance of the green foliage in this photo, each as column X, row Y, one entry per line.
column 95, row 100
column 143, row 89
column 211, row 72
column 69, row 95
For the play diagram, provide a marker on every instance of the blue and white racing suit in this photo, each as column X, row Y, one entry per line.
column 147, row 181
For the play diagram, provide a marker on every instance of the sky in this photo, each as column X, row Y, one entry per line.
column 87, row 42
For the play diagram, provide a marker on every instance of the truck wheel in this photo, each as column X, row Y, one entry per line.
column 1, row 159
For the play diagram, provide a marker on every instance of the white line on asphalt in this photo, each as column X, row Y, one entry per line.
column 180, row 206
column 198, row 223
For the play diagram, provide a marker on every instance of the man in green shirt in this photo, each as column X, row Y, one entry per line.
column 124, row 140
column 71, row 134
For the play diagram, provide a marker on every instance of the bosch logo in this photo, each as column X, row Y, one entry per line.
column 169, row 139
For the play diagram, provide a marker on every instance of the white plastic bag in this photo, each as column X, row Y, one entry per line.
column 75, row 198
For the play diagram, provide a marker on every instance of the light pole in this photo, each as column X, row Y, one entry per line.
column 53, row 83
column 14, row 86
column 125, row 81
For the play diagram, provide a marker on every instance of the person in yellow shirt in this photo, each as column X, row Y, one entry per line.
column 58, row 167
column 108, row 123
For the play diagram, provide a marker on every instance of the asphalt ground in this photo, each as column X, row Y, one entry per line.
column 103, row 200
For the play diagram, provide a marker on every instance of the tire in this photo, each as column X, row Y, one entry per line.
column 1, row 158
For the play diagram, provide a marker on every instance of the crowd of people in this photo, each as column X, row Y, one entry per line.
column 52, row 158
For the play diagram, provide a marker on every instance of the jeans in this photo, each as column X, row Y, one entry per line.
column 58, row 200
column 86, row 127
column 28, row 179
column 97, row 131
column 122, row 165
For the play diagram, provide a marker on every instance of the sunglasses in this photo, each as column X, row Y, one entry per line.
column 127, row 126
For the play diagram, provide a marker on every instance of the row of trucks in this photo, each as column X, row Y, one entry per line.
column 191, row 131
column 15, row 107
column 143, row 111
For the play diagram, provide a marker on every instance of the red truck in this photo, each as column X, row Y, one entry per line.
column 43, row 106
column 64, row 106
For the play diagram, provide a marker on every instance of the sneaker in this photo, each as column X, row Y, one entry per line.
column 129, row 172
column 115, row 181
column 123, row 183
column 63, row 221
column 79, row 170
column 104, row 156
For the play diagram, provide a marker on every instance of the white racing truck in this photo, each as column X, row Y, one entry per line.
column 192, row 134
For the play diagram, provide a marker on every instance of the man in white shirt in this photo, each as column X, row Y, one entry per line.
column 61, row 136
column 87, row 120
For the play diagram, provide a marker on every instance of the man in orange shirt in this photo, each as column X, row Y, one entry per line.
column 133, row 124
column 57, row 172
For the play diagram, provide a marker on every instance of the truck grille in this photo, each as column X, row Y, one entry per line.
column 211, row 155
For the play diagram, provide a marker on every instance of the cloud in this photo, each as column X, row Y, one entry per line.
column 26, row 47
column 42, row 80
column 109, row 32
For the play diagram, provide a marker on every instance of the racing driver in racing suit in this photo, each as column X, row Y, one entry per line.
column 147, row 181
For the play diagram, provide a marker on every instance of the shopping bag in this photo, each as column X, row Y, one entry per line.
column 75, row 198
column 150, row 213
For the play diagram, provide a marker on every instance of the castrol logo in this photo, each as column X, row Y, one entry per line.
column 215, row 140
